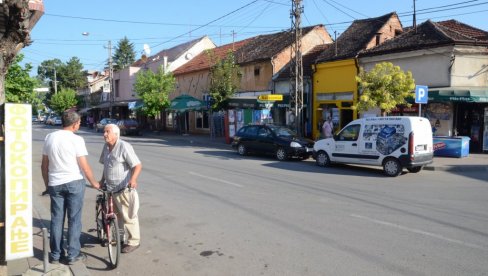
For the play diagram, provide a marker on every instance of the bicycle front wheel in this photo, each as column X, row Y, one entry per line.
column 113, row 237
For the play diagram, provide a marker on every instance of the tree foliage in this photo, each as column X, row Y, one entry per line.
column 64, row 99
column 386, row 86
column 19, row 86
column 124, row 54
column 225, row 78
column 72, row 75
column 69, row 75
column 153, row 89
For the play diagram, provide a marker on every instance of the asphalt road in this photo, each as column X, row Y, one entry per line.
column 209, row 211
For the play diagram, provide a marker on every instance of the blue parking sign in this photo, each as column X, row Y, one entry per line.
column 421, row 94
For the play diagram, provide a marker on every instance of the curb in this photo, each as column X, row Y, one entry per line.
column 473, row 168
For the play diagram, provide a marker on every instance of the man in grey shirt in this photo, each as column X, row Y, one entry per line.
column 121, row 167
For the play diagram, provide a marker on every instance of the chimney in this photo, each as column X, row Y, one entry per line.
column 165, row 64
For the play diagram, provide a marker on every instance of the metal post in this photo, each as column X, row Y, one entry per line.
column 55, row 82
column 45, row 248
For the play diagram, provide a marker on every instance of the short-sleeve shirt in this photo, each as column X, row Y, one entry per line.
column 118, row 164
column 62, row 148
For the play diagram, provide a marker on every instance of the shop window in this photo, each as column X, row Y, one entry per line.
column 201, row 119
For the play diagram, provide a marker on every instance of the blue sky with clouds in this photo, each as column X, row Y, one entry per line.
column 163, row 24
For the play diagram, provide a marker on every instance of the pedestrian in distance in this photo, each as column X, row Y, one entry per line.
column 328, row 128
column 64, row 166
column 121, row 168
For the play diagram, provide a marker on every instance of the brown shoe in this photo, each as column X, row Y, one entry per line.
column 129, row 248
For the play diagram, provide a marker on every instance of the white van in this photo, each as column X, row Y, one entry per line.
column 392, row 142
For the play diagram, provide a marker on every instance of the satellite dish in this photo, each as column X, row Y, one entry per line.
column 147, row 50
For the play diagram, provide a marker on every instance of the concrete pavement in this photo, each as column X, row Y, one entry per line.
column 34, row 266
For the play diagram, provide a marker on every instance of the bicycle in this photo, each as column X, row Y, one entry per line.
column 107, row 225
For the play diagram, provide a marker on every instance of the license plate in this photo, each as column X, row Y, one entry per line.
column 309, row 149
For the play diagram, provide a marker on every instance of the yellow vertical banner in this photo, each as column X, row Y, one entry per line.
column 18, row 181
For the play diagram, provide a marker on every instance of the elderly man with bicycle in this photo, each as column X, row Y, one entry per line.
column 121, row 167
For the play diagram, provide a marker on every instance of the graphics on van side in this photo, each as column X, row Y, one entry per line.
column 387, row 137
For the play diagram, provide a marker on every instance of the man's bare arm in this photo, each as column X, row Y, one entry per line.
column 45, row 170
column 87, row 171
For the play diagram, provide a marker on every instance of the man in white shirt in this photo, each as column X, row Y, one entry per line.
column 63, row 165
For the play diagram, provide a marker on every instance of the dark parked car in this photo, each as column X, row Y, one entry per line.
column 279, row 141
column 103, row 122
column 129, row 126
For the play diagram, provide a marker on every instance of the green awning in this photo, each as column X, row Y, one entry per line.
column 185, row 102
column 459, row 95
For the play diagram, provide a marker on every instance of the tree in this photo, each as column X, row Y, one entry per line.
column 124, row 54
column 153, row 89
column 64, row 99
column 386, row 86
column 72, row 75
column 19, row 86
column 225, row 77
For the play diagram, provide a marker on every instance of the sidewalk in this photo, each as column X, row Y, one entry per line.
column 34, row 266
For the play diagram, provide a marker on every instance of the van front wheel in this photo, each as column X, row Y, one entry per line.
column 392, row 167
column 322, row 159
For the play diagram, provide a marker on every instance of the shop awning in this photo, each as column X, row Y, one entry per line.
column 114, row 104
column 135, row 105
column 458, row 95
column 253, row 103
column 84, row 110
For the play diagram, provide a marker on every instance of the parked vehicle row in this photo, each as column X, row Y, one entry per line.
column 394, row 143
column 126, row 126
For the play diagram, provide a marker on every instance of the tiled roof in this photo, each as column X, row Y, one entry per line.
column 203, row 60
column 355, row 38
column 465, row 29
column 258, row 48
column 428, row 34
column 307, row 60
column 172, row 53
column 265, row 47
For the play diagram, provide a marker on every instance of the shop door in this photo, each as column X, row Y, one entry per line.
column 470, row 120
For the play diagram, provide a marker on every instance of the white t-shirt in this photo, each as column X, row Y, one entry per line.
column 63, row 147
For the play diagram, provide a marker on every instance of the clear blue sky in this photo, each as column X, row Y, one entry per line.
column 162, row 24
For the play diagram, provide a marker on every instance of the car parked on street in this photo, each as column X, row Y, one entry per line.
column 129, row 126
column 56, row 121
column 103, row 122
column 279, row 141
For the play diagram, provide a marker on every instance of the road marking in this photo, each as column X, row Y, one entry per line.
column 417, row 231
column 216, row 179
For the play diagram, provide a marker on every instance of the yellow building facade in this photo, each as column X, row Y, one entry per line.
column 335, row 91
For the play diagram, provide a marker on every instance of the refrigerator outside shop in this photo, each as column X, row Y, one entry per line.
column 485, row 130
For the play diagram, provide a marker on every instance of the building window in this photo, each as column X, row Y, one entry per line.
column 256, row 71
column 201, row 119
column 116, row 88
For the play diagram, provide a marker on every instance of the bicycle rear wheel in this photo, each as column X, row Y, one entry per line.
column 113, row 245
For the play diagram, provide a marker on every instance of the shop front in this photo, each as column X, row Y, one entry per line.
column 460, row 113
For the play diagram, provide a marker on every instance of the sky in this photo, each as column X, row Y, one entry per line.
column 84, row 29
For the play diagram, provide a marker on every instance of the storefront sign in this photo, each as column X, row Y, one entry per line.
column 18, row 181
column 270, row 97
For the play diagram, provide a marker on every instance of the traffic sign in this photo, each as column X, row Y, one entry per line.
column 421, row 94
column 270, row 97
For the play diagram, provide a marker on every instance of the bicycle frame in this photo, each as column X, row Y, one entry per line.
column 107, row 225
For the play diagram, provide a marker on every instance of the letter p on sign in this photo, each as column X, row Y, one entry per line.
column 421, row 94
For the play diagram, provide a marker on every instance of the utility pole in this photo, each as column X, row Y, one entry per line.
column 296, row 66
column 110, row 80
column 414, row 17
column 55, row 81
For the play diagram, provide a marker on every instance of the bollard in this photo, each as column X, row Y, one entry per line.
column 45, row 248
